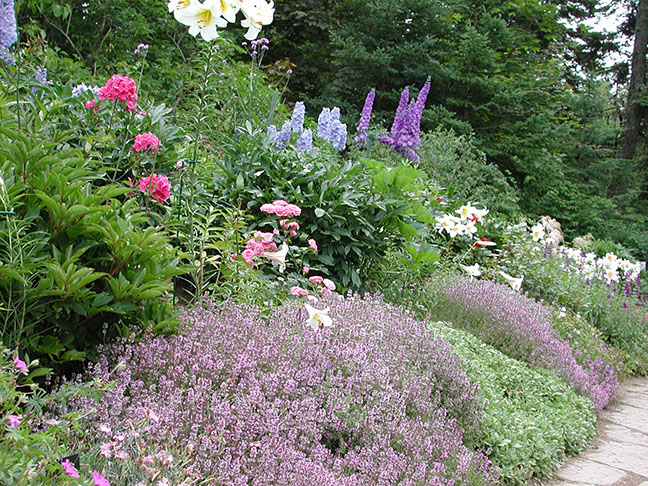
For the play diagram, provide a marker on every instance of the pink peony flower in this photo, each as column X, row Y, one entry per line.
column 267, row 208
column 298, row 292
column 316, row 279
column 20, row 364
column 14, row 420
column 99, row 480
column 329, row 284
column 158, row 186
column 146, row 141
column 313, row 244
column 69, row 469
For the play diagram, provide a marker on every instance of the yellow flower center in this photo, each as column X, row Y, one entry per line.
column 204, row 18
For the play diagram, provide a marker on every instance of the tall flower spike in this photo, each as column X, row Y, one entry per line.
column 297, row 119
column 365, row 118
column 305, row 141
column 8, row 30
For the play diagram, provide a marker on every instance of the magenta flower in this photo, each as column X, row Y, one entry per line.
column 99, row 480
column 121, row 88
column 14, row 420
column 20, row 364
column 146, row 141
column 69, row 469
column 157, row 185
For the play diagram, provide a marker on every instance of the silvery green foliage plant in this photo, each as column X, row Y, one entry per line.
column 374, row 399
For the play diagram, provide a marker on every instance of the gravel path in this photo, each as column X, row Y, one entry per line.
column 619, row 456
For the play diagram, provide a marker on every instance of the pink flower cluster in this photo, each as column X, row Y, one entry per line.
column 146, row 141
column 256, row 246
column 121, row 88
column 157, row 185
column 281, row 208
column 291, row 226
column 20, row 364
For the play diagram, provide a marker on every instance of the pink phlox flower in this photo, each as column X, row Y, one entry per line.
column 14, row 420
column 267, row 208
column 69, row 469
column 20, row 364
column 313, row 244
column 121, row 88
column 158, row 185
column 90, row 104
column 293, row 210
column 316, row 279
column 280, row 202
column 99, row 480
column 146, row 141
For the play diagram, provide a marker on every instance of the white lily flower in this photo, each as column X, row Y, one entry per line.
column 278, row 256
column 318, row 319
column 178, row 5
column 480, row 213
column 538, row 232
column 515, row 283
column 472, row 270
column 257, row 14
column 203, row 18
column 470, row 228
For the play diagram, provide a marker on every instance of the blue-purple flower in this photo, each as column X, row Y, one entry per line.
column 297, row 119
column 406, row 130
column 8, row 30
column 305, row 141
column 283, row 136
column 365, row 118
column 331, row 129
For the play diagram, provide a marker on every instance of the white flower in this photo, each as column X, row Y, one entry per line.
column 472, row 270
column 278, row 256
column 229, row 9
column 480, row 213
column 177, row 5
column 515, row 283
column 318, row 319
column 466, row 211
column 470, row 228
column 538, row 232
column 257, row 14
column 203, row 18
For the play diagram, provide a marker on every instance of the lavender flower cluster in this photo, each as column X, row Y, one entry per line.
column 406, row 130
column 331, row 129
column 365, row 117
column 522, row 328
column 8, row 30
column 377, row 399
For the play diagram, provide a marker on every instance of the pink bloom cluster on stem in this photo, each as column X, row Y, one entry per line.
column 328, row 286
column 261, row 242
column 146, row 141
column 120, row 88
column 281, row 208
column 157, row 185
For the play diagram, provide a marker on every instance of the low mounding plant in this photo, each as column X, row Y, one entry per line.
column 522, row 328
column 533, row 418
column 376, row 399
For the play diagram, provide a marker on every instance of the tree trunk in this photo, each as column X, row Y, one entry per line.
column 634, row 111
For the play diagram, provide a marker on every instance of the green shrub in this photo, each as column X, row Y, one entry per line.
column 533, row 419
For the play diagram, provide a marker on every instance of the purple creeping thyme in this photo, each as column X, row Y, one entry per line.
column 522, row 328
column 297, row 118
column 377, row 399
column 8, row 30
column 365, row 117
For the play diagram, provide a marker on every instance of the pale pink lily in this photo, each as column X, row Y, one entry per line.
column 278, row 256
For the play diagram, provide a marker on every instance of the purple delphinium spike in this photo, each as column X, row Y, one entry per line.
column 400, row 113
column 305, row 141
column 323, row 124
column 283, row 136
column 365, row 118
column 8, row 30
column 297, row 119
column 338, row 135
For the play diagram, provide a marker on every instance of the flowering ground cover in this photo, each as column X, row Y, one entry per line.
column 375, row 399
